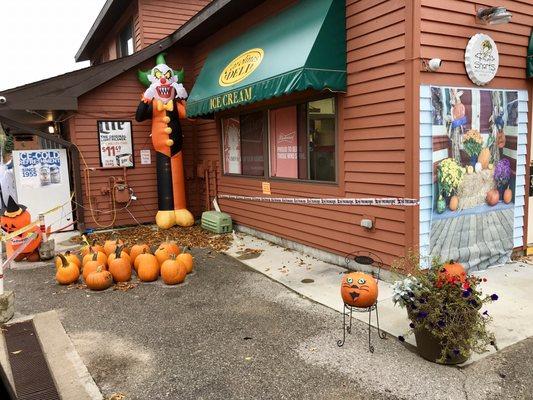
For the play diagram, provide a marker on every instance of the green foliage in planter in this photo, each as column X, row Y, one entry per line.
column 450, row 309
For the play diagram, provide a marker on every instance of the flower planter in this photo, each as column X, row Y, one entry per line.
column 429, row 347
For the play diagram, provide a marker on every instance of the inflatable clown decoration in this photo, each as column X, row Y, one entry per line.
column 14, row 217
column 163, row 103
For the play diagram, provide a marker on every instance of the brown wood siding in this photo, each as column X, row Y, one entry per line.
column 446, row 27
column 371, row 142
column 160, row 18
column 118, row 99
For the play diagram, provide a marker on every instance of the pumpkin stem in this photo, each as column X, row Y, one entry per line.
column 94, row 242
column 173, row 256
column 85, row 240
column 64, row 261
column 118, row 250
column 95, row 255
column 99, row 268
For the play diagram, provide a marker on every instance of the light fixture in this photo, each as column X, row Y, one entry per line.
column 51, row 128
column 494, row 15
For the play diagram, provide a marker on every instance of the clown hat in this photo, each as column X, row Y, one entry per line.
column 12, row 209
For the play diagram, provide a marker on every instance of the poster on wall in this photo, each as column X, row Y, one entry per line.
column 284, row 143
column 474, row 145
column 232, row 145
column 42, row 183
column 116, row 144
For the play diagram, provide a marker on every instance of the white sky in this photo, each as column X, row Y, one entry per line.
column 39, row 38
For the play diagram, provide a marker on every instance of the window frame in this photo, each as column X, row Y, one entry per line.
column 238, row 111
column 128, row 25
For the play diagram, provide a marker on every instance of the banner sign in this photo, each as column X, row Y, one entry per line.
column 116, row 144
column 319, row 201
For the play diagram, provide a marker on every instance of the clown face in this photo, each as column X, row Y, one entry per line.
column 164, row 85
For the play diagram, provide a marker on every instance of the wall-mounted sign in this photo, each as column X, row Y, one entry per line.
column 146, row 157
column 481, row 59
column 241, row 67
column 265, row 186
column 116, row 145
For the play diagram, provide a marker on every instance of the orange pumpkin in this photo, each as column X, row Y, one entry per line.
column 493, row 196
column 187, row 260
column 120, row 267
column 484, row 158
column 123, row 254
column 162, row 254
column 111, row 245
column 173, row 271
column 148, row 269
column 70, row 257
column 171, row 246
column 101, row 279
column 137, row 249
column 146, row 256
column 359, row 289
column 14, row 217
column 100, row 257
column 451, row 272
column 92, row 265
column 68, row 272
column 507, row 196
column 454, row 203
column 87, row 249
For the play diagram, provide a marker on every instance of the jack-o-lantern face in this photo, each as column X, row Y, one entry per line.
column 359, row 289
column 12, row 224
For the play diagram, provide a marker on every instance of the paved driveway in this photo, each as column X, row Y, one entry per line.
column 232, row 333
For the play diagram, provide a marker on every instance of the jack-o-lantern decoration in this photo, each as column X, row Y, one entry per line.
column 14, row 217
column 359, row 290
column 451, row 272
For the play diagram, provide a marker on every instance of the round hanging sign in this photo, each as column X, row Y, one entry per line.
column 481, row 59
column 241, row 66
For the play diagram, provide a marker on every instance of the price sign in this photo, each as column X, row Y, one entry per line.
column 116, row 145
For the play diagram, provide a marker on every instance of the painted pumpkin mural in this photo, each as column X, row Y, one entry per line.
column 14, row 217
column 163, row 103
column 359, row 289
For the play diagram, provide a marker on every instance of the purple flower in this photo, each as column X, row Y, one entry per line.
column 401, row 338
column 466, row 294
column 473, row 303
column 494, row 297
column 422, row 314
column 441, row 323
column 456, row 352
column 502, row 172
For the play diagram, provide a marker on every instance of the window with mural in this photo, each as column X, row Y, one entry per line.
column 301, row 142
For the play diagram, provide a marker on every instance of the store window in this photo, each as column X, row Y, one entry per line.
column 125, row 44
column 301, row 142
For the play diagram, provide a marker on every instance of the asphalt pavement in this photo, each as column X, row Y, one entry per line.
column 232, row 333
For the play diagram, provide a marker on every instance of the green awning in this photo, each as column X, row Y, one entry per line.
column 529, row 59
column 303, row 47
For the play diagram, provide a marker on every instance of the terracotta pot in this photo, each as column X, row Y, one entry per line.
column 429, row 347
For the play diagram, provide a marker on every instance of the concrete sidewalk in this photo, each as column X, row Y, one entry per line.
column 320, row 281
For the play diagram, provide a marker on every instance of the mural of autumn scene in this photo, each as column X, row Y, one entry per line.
column 475, row 135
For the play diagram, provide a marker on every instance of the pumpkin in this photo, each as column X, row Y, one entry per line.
column 14, row 217
column 137, row 249
column 162, row 254
column 87, row 249
column 484, row 158
column 451, row 272
column 491, row 166
column 454, row 203
column 148, row 268
column 33, row 257
column 359, row 289
column 441, row 204
column 123, row 254
column 146, row 256
column 100, row 257
column 507, row 195
column 70, row 258
column 68, row 272
column 92, row 265
column 120, row 267
column 173, row 271
column 493, row 196
column 111, row 245
column 469, row 170
column 171, row 246
column 500, row 139
column 187, row 260
column 101, row 279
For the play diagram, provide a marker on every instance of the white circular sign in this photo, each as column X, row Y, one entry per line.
column 481, row 59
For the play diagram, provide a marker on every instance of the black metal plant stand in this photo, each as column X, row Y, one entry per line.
column 365, row 258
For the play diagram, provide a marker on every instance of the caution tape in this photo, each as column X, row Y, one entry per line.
column 30, row 226
column 319, row 201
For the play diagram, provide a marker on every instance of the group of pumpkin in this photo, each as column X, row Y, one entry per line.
column 112, row 262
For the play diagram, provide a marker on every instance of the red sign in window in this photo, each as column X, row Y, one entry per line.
column 283, row 143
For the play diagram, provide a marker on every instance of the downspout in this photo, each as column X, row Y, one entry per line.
column 74, row 159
